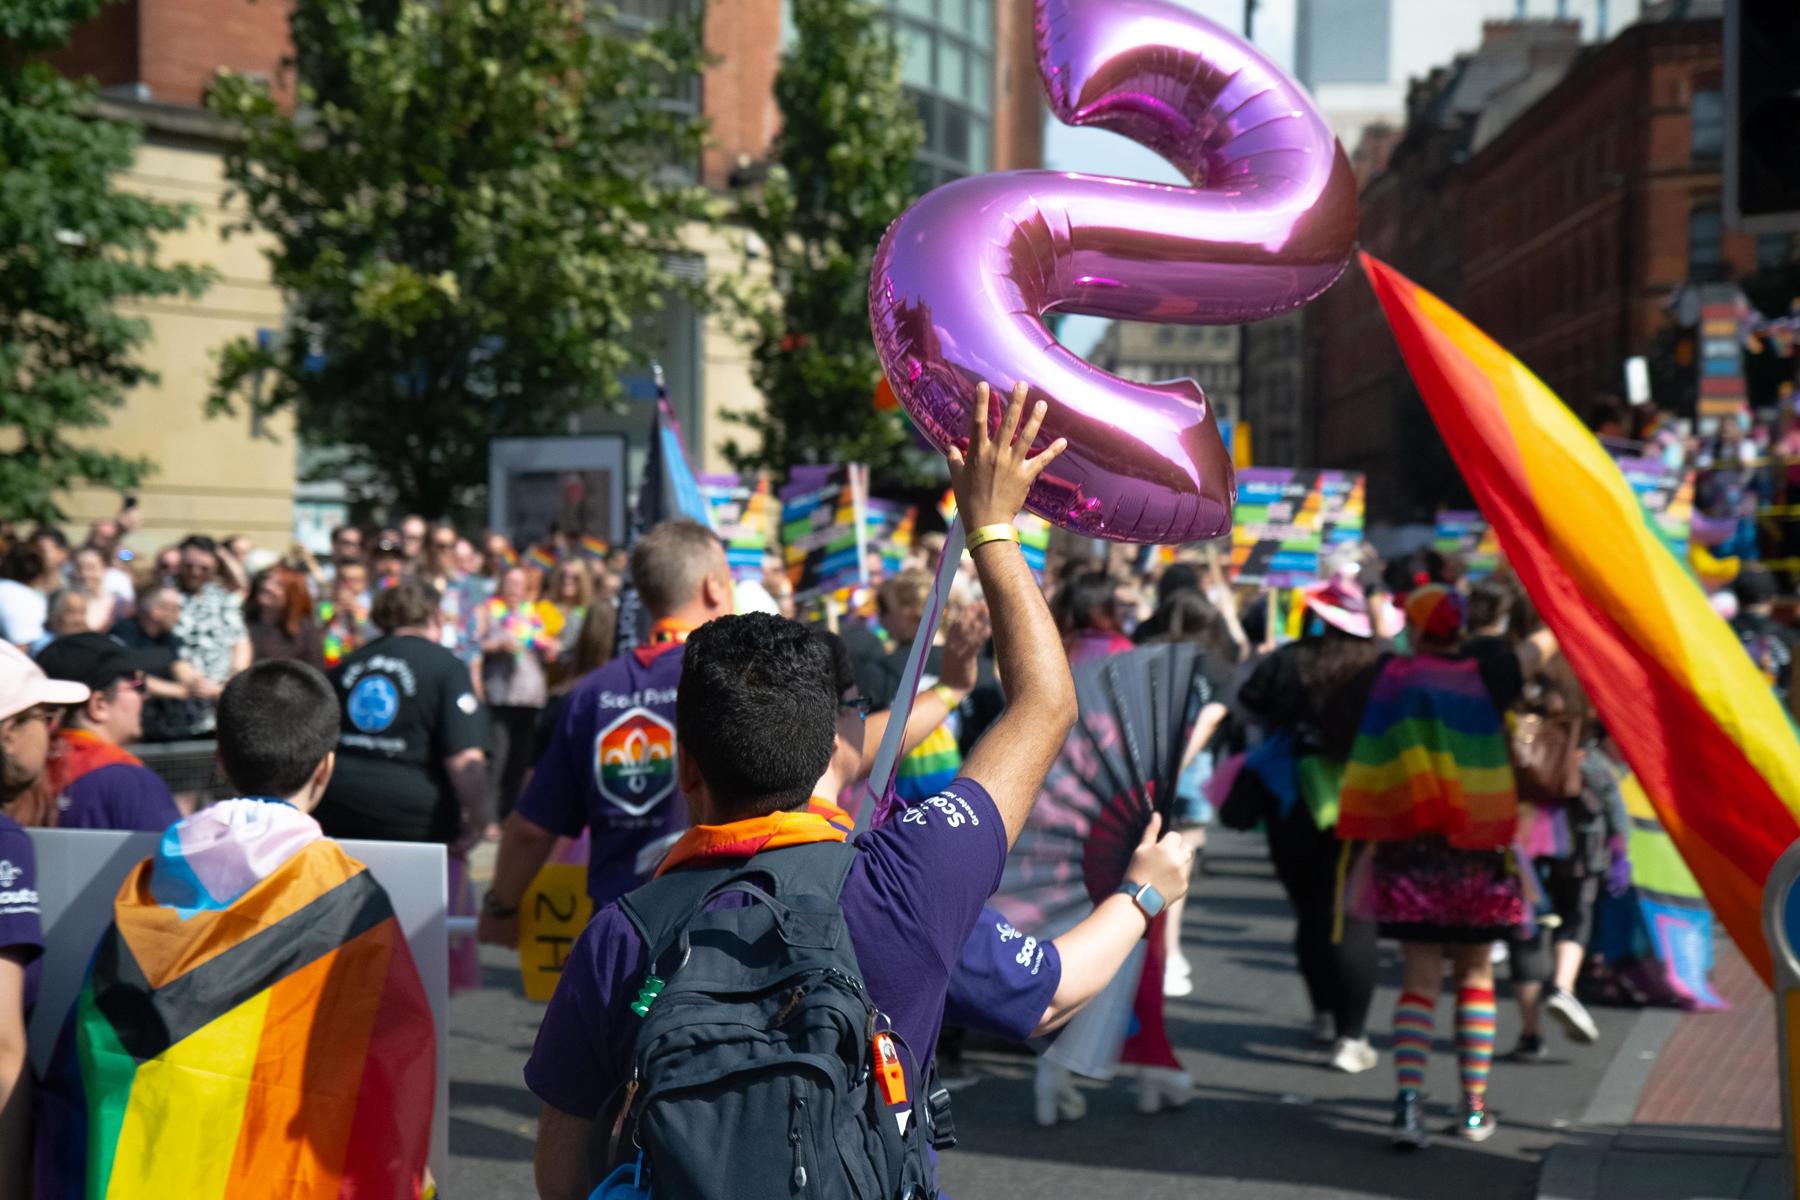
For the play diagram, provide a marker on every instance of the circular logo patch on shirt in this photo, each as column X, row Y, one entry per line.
column 468, row 703
column 374, row 703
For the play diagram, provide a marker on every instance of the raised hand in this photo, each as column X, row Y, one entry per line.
column 992, row 476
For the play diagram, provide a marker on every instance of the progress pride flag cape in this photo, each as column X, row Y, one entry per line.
column 1698, row 722
column 252, row 1025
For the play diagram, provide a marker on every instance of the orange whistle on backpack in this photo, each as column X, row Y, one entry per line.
column 888, row 1075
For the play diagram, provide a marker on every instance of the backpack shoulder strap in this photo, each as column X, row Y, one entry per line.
column 660, row 909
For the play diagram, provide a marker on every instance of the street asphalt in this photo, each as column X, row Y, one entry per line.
column 1270, row 1122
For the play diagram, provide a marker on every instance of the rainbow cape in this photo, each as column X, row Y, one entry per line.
column 1430, row 759
column 1700, row 727
column 252, row 1025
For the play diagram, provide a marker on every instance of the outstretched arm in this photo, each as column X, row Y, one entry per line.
column 1094, row 950
column 991, row 478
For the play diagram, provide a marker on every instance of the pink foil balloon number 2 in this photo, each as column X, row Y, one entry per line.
column 964, row 279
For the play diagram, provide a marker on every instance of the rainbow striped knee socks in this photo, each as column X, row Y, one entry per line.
column 1475, row 1042
column 1413, row 1018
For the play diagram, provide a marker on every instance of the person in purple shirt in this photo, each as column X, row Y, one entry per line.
column 756, row 723
column 28, row 705
column 610, row 766
column 91, row 781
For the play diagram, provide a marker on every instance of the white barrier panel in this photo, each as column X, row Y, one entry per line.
column 79, row 872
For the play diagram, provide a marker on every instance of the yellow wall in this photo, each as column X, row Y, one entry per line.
column 725, row 369
column 212, row 475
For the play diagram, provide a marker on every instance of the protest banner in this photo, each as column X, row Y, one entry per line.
column 1667, row 495
column 1466, row 534
column 80, row 872
column 1289, row 519
column 823, row 530
column 552, row 913
column 740, row 515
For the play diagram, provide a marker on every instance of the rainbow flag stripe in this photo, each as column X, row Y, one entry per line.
column 277, row 1042
column 930, row 768
column 1430, row 758
column 1699, row 725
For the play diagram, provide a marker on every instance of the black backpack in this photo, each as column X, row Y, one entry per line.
column 754, row 1073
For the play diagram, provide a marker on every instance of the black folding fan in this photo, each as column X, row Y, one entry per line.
column 1118, row 767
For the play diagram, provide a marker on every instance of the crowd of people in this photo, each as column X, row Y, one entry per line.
column 1423, row 764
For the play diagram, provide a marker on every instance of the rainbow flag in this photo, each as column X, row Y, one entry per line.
column 593, row 548
column 252, row 1025
column 1430, row 759
column 542, row 557
column 1699, row 725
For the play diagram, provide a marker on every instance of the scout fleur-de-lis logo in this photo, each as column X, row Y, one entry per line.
column 634, row 761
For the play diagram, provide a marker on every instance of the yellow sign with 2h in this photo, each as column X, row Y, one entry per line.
column 553, row 912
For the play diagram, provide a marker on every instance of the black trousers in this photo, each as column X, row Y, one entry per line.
column 1340, row 974
column 513, row 730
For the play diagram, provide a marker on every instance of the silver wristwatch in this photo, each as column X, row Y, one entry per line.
column 1149, row 901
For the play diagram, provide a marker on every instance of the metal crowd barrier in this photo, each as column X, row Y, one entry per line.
column 190, row 766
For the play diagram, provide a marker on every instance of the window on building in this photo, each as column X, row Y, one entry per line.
column 947, row 63
column 1706, row 246
column 1706, row 114
column 683, row 94
column 1773, row 250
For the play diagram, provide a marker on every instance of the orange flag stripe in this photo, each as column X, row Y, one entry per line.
column 1699, row 725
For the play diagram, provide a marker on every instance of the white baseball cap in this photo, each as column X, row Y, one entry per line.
column 24, row 684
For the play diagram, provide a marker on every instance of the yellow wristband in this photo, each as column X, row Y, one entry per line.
column 948, row 695
column 1005, row 532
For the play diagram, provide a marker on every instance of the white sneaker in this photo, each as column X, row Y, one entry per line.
column 1178, row 977
column 1324, row 1029
column 1159, row 1088
column 1054, row 1095
column 1573, row 1015
column 1353, row 1056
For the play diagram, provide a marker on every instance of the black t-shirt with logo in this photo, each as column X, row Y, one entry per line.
column 407, row 705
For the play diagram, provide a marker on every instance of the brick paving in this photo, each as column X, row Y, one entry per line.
column 1719, row 1069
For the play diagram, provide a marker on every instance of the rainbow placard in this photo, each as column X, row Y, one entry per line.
column 1289, row 519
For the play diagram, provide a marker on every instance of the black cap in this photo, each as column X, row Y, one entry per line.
column 1754, row 585
column 94, row 659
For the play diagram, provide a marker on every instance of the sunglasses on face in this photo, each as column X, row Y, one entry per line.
column 40, row 712
column 861, row 705
column 134, row 682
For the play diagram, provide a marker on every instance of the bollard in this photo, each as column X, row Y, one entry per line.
column 1781, row 927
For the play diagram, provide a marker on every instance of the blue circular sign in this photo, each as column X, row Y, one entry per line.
column 374, row 703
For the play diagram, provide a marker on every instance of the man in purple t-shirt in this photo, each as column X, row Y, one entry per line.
column 755, row 721
column 610, row 764
column 28, row 704
column 92, row 780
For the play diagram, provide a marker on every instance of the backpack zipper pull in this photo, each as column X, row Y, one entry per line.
column 794, row 1141
column 647, row 995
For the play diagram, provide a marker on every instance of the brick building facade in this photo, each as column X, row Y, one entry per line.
column 1561, row 207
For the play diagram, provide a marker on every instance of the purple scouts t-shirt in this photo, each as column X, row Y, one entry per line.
column 119, row 796
column 911, row 896
column 610, row 766
column 20, row 930
column 1003, row 981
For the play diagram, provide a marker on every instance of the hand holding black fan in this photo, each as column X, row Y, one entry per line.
column 1117, row 768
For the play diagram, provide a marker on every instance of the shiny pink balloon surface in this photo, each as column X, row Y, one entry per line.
column 963, row 280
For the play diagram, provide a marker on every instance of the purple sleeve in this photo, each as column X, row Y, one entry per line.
column 553, row 798
column 937, row 863
column 1003, row 981
column 583, row 1052
column 20, row 928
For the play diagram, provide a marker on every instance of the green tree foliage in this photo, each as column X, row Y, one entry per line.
column 842, row 171
column 473, row 208
column 72, row 246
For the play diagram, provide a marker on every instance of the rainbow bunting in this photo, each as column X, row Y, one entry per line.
column 1700, row 726
column 252, row 1025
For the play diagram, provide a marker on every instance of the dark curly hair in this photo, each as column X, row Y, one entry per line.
column 757, row 711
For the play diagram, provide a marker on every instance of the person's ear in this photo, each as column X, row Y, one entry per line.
column 687, row 772
column 715, row 594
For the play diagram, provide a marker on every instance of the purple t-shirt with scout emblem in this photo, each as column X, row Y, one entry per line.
column 20, row 929
column 1003, row 981
column 610, row 767
column 911, row 897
